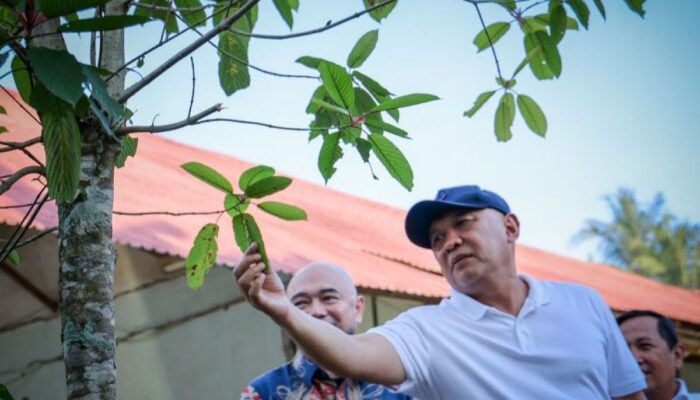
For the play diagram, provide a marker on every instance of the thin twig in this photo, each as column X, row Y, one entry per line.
column 284, row 128
column 313, row 31
column 25, row 205
column 170, row 127
column 11, row 244
column 32, row 169
column 189, row 112
column 36, row 237
column 172, row 214
column 225, row 24
column 19, row 145
column 156, row 7
column 493, row 50
column 19, row 103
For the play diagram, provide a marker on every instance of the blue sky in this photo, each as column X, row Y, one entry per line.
column 625, row 111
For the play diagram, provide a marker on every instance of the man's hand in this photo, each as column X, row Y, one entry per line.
column 263, row 291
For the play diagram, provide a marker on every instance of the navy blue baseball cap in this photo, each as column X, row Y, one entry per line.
column 470, row 197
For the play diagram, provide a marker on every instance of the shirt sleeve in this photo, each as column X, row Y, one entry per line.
column 624, row 375
column 406, row 333
column 249, row 393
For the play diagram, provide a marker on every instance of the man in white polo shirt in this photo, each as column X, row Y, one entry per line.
column 498, row 336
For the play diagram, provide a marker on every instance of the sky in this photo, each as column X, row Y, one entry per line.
column 624, row 113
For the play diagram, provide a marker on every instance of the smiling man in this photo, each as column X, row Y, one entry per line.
column 499, row 335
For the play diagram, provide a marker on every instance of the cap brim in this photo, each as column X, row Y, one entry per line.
column 422, row 214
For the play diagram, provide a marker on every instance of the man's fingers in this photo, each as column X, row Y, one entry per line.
column 249, row 276
column 256, row 287
column 245, row 263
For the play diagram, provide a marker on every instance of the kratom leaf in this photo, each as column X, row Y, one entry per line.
column 253, row 175
column 600, row 6
column 505, row 114
column 405, row 101
column 350, row 134
column 364, row 147
column 99, row 92
column 381, row 12
column 319, row 94
column 385, row 127
column 557, row 22
column 233, row 205
column 495, row 31
column 362, row 49
column 480, row 101
column 294, row 4
column 233, row 60
column 246, row 231
column 532, row 114
column 329, row 106
column 393, row 160
column 267, row 186
column 62, row 145
column 541, row 22
column 208, row 175
column 106, row 23
column 239, row 232
column 330, row 153
column 537, row 63
column 192, row 12
column 56, row 8
column 285, row 11
column 338, row 84
column 581, row 10
column 13, row 259
column 202, row 255
column 59, row 71
column 281, row 210
column 159, row 12
column 311, row 62
column 377, row 90
column 128, row 149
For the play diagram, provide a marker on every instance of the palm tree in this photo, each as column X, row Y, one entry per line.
column 647, row 240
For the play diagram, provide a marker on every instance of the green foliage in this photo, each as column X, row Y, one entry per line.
column 480, row 101
column 128, row 149
column 62, row 145
column 330, row 153
column 4, row 393
column 338, row 84
column 208, row 175
column 381, row 12
column 192, row 12
column 393, row 160
column 311, row 62
column 386, row 127
column 202, row 255
column 285, row 211
column 267, row 186
column 253, row 175
column 363, row 48
column 233, row 204
column 581, row 10
column 494, row 32
column 636, row 6
column 233, row 62
column 247, row 231
column 56, row 8
column 285, row 11
column 106, row 23
column 505, row 114
column 377, row 90
column 532, row 114
column 169, row 19
column 59, row 71
column 13, row 259
column 557, row 22
column 98, row 90
column 405, row 101
column 601, row 8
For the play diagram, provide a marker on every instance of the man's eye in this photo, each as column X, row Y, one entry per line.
column 301, row 304
column 328, row 299
column 436, row 239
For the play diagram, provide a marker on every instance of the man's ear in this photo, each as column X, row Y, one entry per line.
column 359, row 308
column 512, row 227
column 678, row 354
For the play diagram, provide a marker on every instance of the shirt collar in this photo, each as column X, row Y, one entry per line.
column 682, row 393
column 538, row 295
column 305, row 369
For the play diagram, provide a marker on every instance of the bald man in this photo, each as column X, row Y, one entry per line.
column 327, row 293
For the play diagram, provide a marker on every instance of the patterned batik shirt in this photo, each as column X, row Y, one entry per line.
column 302, row 379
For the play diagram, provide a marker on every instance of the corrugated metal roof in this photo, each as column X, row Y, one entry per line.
column 364, row 237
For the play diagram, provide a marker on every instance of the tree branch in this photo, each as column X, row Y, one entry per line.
column 225, row 24
column 284, row 128
column 170, row 127
column 483, row 25
column 33, row 169
column 19, row 145
column 19, row 103
column 189, row 111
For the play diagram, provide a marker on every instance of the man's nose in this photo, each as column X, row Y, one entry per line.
column 317, row 309
column 452, row 239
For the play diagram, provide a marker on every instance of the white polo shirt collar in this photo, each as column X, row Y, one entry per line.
column 537, row 296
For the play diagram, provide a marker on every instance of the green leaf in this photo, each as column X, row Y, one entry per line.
column 3, row 129
column 311, row 62
column 160, row 13
column 363, row 48
column 505, row 114
column 330, row 153
column 600, row 6
column 338, row 84
column 405, row 101
column 294, row 4
column 285, row 211
column 557, row 22
column 202, row 255
column 128, row 149
column 56, row 8
column 318, row 94
column 581, row 10
column 377, row 90
column 239, row 232
column 532, row 54
column 233, row 204
column 267, row 186
column 495, row 31
column 285, row 11
column 392, row 113
column 381, row 12
column 350, row 134
column 246, row 231
column 385, row 127
column 98, row 89
column 192, row 12
column 532, row 114
column 253, row 175
column 636, row 6
column 2, row 110
column 393, row 160
column 364, row 103
column 59, row 71
column 62, row 145
column 106, row 23
column 329, row 106
column 480, row 101
column 4, row 393
column 537, row 63
column 233, row 62
column 549, row 51
column 364, row 147
column 13, row 259
column 208, row 175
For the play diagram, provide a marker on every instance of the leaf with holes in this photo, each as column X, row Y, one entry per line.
column 233, row 62
column 128, row 149
column 505, row 114
column 362, row 49
column 202, row 255
column 532, row 114
column 405, row 101
column 254, row 174
column 208, row 175
column 330, row 153
column 338, row 84
column 494, row 31
column 281, row 210
column 267, row 186
column 62, row 145
column 480, row 101
column 59, row 71
column 393, row 160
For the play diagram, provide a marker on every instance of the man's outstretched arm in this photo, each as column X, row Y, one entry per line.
column 369, row 357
